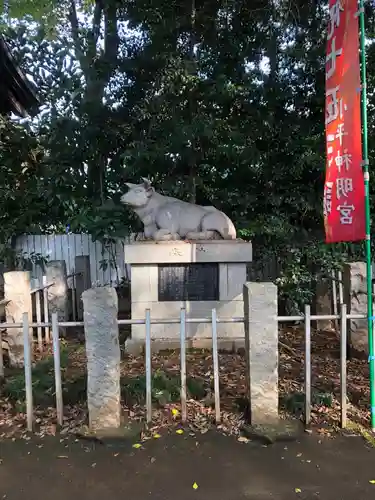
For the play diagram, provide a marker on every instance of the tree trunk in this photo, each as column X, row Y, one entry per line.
column 97, row 70
column 192, row 156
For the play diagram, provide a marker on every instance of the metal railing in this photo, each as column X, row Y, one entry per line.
column 307, row 318
column 38, row 309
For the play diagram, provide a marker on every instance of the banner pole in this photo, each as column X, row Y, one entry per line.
column 367, row 212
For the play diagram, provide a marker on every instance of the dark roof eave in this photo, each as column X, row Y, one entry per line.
column 21, row 95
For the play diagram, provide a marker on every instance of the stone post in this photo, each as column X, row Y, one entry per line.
column 100, row 306
column 324, row 305
column 57, row 294
column 82, row 280
column 355, row 297
column 261, row 345
column 17, row 290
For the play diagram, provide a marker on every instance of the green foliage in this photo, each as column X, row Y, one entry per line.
column 295, row 403
column 43, row 381
column 165, row 387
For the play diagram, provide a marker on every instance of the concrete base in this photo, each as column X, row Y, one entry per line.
column 136, row 347
column 144, row 258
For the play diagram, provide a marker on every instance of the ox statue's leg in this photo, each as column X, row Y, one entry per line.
column 202, row 235
column 165, row 235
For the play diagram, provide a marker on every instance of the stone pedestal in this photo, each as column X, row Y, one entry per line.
column 17, row 290
column 226, row 261
column 103, row 357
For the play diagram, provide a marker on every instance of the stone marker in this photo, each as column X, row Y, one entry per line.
column 355, row 296
column 17, row 290
column 57, row 295
column 261, row 350
column 83, row 280
column 100, row 307
column 324, row 305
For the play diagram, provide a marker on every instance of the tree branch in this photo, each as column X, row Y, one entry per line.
column 93, row 35
column 73, row 19
column 111, row 38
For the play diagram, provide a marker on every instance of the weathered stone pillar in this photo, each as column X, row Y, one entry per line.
column 17, row 290
column 324, row 305
column 100, row 306
column 355, row 297
column 82, row 280
column 261, row 345
column 57, row 294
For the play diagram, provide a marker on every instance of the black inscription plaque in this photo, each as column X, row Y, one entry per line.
column 193, row 282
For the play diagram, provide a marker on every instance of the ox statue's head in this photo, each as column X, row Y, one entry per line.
column 138, row 195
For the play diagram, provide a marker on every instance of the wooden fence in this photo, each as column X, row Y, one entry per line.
column 107, row 262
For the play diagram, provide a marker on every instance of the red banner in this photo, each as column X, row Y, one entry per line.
column 344, row 193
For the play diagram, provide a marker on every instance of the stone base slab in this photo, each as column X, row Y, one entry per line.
column 137, row 346
column 184, row 252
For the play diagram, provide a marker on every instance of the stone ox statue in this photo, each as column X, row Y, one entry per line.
column 166, row 218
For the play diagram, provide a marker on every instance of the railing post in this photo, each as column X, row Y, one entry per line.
column 334, row 298
column 307, row 376
column 74, row 298
column 1, row 357
column 27, row 367
column 45, row 307
column 341, row 288
column 343, row 355
column 183, row 363
column 39, row 317
column 57, row 366
column 148, row 367
column 215, row 361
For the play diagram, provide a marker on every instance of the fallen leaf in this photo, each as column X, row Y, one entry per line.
column 152, row 460
column 299, row 455
column 175, row 412
column 62, row 456
column 243, row 439
column 137, row 445
column 372, row 481
column 297, row 490
column 157, row 436
column 93, row 465
column 179, row 431
column 116, row 454
column 195, row 486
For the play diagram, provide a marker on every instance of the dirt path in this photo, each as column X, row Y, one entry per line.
column 166, row 469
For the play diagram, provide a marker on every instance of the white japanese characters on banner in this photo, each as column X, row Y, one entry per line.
column 344, row 213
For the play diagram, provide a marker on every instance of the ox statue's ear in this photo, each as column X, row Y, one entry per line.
column 146, row 183
column 129, row 185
